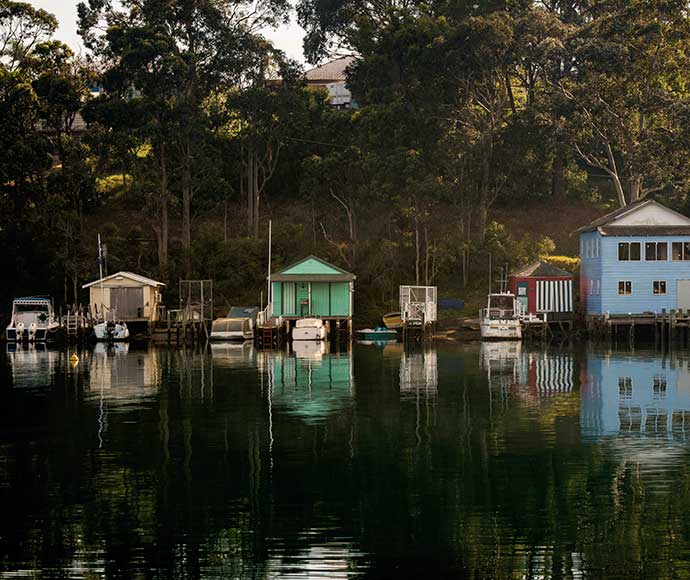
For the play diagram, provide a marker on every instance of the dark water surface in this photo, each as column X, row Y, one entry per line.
column 496, row 461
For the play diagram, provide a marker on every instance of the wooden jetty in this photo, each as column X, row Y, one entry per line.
column 665, row 328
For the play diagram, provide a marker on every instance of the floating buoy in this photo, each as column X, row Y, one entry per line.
column 74, row 359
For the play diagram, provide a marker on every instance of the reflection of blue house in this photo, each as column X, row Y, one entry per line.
column 635, row 260
column 634, row 394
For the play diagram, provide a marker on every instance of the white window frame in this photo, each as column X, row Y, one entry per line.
column 656, row 252
column 618, row 253
column 665, row 292
column 625, row 282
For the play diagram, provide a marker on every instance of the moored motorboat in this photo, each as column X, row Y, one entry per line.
column 500, row 320
column 111, row 331
column 238, row 325
column 33, row 320
column 238, row 329
column 309, row 329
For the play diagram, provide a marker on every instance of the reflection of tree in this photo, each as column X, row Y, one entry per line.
column 190, row 484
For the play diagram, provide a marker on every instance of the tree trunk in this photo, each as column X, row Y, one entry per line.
column 257, row 197
column 162, row 228
column 558, row 177
column 484, row 190
column 187, row 215
column 249, row 182
column 426, row 256
column 416, row 243
column 635, row 189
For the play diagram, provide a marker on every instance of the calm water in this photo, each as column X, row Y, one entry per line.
column 496, row 461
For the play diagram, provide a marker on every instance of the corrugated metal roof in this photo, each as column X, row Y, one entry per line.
column 543, row 269
column 335, row 70
column 136, row 277
column 614, row 216
column 611, row 216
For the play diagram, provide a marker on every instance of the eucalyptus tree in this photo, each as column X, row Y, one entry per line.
column 22, row 28
column 629, row 83
column 175, row 54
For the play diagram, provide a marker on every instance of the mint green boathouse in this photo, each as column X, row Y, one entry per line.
column 313, row 288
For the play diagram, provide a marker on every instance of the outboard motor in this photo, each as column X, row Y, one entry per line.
column 32, row 332
column 20, row 331
column 110, row 331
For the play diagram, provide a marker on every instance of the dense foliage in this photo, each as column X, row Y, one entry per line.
column 202, row 131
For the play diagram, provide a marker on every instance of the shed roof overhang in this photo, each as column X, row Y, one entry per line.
column 143, row 280
column 631, row 231
column 313, row 278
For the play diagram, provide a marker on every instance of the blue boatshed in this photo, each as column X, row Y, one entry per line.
column 635, row 260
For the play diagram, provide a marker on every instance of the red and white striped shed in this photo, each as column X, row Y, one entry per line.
column 543, row 288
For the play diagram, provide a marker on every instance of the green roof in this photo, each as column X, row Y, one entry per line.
column 314, row 269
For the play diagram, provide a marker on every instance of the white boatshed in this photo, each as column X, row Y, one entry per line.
column 126, row 296
column 418, row 304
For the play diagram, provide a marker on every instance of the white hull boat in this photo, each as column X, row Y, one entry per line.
column 111, row 331
column 501, row 329
column 232, row 329
column 500, row 320
column 309, row 329
column 33, row 320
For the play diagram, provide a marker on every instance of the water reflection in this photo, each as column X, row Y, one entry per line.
column 527, row 373
column 419, row 372
column 33, row 365
column 233, row 355
column 308, row 383
column 640, row 393
column 499, row 461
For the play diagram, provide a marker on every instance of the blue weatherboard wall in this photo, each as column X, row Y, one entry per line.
column 609, row 270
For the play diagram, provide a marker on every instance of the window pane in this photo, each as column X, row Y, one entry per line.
column 635, row 251
column 677, row 249
column 628, row 286
column 662, row 287
column 662, row 251
column 623, row 251
column 686, row 251
column 650, row 251
column 621, row 287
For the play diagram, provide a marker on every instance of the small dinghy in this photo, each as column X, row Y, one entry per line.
column 379, row 333
column 393, row 321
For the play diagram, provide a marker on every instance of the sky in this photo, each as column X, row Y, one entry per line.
column 287, row 38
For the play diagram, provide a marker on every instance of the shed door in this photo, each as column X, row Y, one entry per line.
column 289, row 299
column 684, row 294
column 522, row 295
column 127, row 302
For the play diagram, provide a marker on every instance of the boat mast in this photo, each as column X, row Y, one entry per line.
column 269, row 298
column 100, row 273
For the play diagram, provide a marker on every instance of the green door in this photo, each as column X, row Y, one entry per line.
column 340, row 299
column 289, row 299
column 320, row 299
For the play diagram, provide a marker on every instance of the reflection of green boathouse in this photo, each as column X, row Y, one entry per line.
column 310, row 387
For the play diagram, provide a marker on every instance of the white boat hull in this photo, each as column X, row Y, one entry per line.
column 309, row 333
column 501, row 329
column 231, row 336
column 109, row 331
